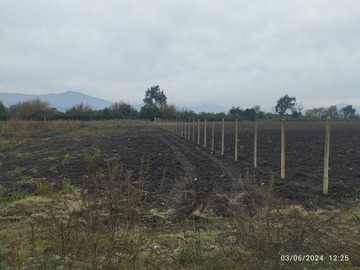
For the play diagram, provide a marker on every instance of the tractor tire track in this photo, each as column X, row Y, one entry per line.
column 206, row 177
column 188, row 168
column 195, row 152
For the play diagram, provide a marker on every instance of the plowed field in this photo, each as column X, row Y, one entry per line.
column 190, row 173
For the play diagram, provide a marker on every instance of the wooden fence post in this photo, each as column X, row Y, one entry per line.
column 205, row 132
column 193, row 124
column 182, row 128
column 189, row 129
column 236, row 138
column 255, row 142
column 185, row 124
column 212, row 136
column 198, row 141
column 178, row 126
column 222, row 137
column 283, row 149
column 326, row 158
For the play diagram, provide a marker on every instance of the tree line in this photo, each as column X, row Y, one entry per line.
column 155, row 106
column 286, row 104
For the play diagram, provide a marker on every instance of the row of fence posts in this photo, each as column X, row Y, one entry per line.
column 186, row 128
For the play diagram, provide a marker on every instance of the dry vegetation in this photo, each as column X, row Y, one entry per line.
column 109, row 222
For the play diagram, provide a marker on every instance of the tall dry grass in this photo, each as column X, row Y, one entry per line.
column 23, row 127
column 266, row 227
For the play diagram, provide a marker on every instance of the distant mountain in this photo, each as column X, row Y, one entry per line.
column 61, row 102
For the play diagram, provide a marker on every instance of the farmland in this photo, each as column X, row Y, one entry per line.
column 169, row 182
column 304, row 150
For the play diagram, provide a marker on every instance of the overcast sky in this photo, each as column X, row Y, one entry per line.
column 230, row 52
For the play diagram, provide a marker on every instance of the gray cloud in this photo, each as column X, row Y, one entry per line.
column 238, row 53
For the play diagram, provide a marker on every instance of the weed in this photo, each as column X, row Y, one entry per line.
column 7, row 196
column 2, row 191
column 44, row 187
column 15, row 172
column 190, row 250
column 54, row 169
column 264, row 227
column 66, row 158
column 68, row 188
column 90, row 157
column 32, row 127
column 102, row 230
column 26, row 179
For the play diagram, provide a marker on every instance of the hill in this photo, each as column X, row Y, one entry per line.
column 60, row 101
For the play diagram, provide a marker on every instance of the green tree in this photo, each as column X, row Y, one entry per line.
column 250, row 114
column 235, row 111
column 284, row 104
column 348, row 111
column 154, row 96
column 149, row 112
column 122, row 109
column 154, row 100
column 187, row 114
column 168, row 111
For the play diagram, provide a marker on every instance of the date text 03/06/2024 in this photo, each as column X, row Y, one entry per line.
column 314, row 258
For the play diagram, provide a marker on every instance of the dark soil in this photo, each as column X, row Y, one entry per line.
column 304, row 147
column 189, row 175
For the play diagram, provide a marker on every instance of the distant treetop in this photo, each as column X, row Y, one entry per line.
column 155, row 97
